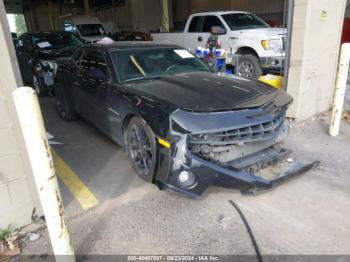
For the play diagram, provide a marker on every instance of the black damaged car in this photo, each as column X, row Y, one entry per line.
column 183, row 127
column 36, row 54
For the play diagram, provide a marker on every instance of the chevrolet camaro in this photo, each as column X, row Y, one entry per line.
column 184, row 127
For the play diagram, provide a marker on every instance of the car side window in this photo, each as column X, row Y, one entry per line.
column 196, row 24
column 95, row 64
column 209, row 22
column 78, row 55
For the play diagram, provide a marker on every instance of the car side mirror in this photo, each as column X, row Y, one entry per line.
column 218, row 30
column 97, row 74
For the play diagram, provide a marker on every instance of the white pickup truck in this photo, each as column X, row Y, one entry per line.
column 251, row 44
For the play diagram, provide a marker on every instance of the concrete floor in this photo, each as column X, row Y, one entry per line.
column 309, row 215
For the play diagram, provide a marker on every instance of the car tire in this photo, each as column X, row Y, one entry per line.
column 39, row 86
column 141, row 146
column 249, row 66
column 62, row 106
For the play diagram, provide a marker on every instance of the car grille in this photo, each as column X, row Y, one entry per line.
column 252, row 133
column 284, row 43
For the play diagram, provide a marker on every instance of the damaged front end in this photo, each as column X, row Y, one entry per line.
column 227, row 149
column 46, row 70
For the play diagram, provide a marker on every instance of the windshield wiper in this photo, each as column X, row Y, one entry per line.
column 142, row 78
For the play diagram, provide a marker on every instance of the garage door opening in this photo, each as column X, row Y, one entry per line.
column 17, row 25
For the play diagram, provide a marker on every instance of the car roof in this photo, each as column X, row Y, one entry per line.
column 219, row 13
column 48, row 33
column 122, row 45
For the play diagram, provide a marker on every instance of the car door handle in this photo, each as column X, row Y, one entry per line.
column 200, row 39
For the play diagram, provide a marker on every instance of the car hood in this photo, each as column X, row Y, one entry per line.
column 266, row 31
column 206, row 92
column 55, row 53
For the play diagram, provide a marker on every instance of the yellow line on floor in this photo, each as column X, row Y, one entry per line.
column 77, row 187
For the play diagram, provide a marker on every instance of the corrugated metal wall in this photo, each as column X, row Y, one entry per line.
column 270, row 10
column 120, row 17
column 259, row 6
column 267, row 9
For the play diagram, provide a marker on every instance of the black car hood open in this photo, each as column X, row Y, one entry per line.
column 203, row 91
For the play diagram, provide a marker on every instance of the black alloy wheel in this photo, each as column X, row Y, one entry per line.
column 249, row 67
column 141, row 146
column 62, row 107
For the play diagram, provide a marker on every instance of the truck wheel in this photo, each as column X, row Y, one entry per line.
column 39, row 86
column 249, row 66
column 141, row 146
column 62, row 106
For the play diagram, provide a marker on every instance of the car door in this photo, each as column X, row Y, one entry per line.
column 209, row 22
column 94, row 80
column 24, row 57
column 194, row 37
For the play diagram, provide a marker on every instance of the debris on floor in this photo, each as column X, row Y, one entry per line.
column 346, row 117
column 51, row 142
column 33, row 236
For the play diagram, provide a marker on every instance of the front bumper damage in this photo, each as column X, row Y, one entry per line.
column 46, row 70
column 252, row 154
column 272, row 63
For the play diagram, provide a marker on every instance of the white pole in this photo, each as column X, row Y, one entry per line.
column 339, row 92
column 30, row 118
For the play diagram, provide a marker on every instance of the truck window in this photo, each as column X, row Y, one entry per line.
column 196, row 24
column 209, row 22
column 241, row 21
column 94, row 60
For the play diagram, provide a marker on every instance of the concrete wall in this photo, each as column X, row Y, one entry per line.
column 314, row 55
column 18, row 195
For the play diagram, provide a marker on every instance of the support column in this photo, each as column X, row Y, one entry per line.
column 87, row 7
column 315, row 47
column 49, row 7
column 17, row 189
column 164, row 15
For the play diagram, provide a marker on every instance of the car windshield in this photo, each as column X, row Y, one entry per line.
column 56, row 41
column 91, row 30
column 242, row 21
column 138, row 64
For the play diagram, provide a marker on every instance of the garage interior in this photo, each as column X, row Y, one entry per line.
column 114, row 193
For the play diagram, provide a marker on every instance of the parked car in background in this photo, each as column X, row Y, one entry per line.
column 131, row 36
column 36, row 54
column 88, row 28
column 184, row 127
column 251, row 44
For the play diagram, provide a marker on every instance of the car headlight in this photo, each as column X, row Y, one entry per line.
column 272, row 44
column 49, row 64
column 38, row 67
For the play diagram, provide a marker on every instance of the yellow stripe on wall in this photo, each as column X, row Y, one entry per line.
column 75, row 185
